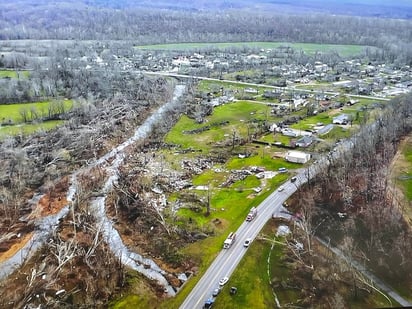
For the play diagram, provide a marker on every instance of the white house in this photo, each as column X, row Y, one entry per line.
column 297, row 156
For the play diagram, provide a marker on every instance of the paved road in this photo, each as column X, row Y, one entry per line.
column 228, row 259
column 265, row 86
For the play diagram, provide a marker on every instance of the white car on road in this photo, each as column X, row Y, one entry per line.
column 223, row 281
column 247, row 242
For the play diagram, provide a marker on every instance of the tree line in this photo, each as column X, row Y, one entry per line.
column 145, row 26
column 358, row 184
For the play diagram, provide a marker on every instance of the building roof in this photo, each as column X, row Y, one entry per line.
column 341, row 117
column 305, row 139
column 325, row 129
column 297, row 154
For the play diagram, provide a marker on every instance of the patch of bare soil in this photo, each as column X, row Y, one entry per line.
column 333, row 112
column 14, row 246
column 16, row 237
column 52, row 201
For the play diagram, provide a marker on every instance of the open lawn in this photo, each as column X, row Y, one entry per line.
column 310, row 122
column 238, row 115
column 343, row 50
column 216, row 86
column 252, row 283
column 13, row 112
column 14, row 74
column 11, row 117
column 26, row 129
column 266, row 161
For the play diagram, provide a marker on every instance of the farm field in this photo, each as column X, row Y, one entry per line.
column 344, row 50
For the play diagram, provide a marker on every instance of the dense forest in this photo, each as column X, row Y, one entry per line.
column 146, row 26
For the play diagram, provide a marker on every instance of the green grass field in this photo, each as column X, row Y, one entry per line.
column 26, row 129
column 311, row 48
column 14, row 112
column 238, row 114
column 12, row 119
column 215, row 86
column 252, row 283
column 230, row 206
column 14, row 74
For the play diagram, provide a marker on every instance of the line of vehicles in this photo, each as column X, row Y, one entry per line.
column 229, row 241
column 231, row 238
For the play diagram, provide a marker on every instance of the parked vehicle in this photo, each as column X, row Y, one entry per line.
column 229, row 240
column 252, row 214
column 283, row 170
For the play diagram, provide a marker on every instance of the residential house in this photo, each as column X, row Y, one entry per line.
column 326, row 129
column 289, row 132
column 251, row 90
column 341, row 119
column 304, row 141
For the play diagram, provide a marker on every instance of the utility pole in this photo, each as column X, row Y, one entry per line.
column 208, row 200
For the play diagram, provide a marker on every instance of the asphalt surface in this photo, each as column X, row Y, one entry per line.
column 356, row 96
column 228, row 259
